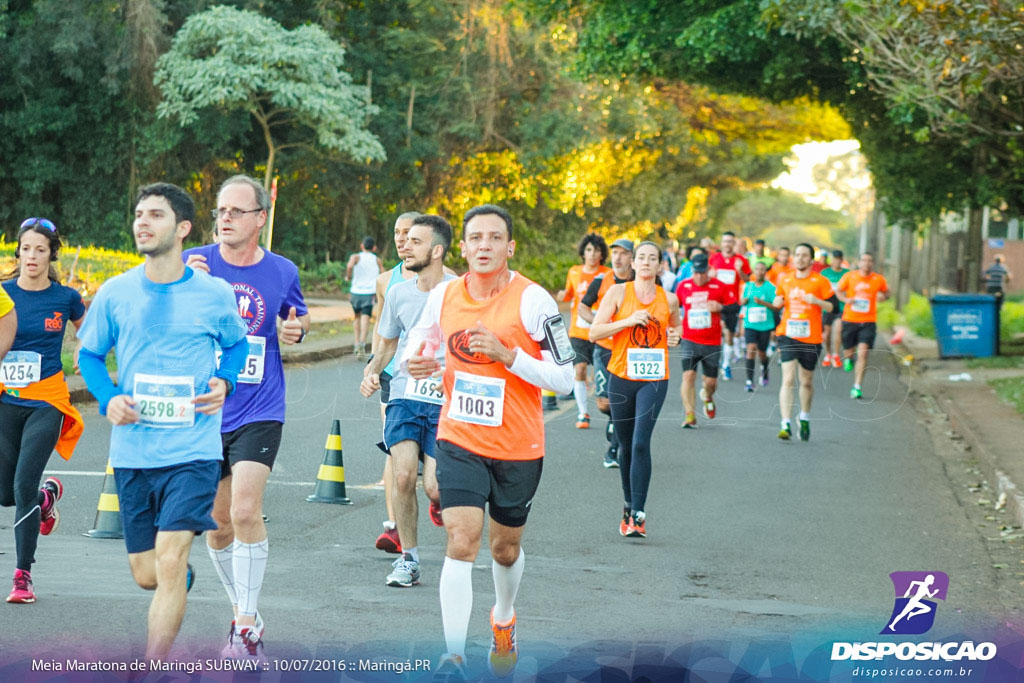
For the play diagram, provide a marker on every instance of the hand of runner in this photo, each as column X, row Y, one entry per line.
column 369, row 385
column 482, row 340
column 210, row 403
column 715, row 306
column 197, row 262
column 639, row 318
column 121, row 411
column 422, row 366
column 673, row 335
column 291, row 329
column 811, row 299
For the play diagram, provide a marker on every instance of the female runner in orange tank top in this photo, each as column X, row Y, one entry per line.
column 642, row 322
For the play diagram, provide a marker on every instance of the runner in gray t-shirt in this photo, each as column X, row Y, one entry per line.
column 414, row 409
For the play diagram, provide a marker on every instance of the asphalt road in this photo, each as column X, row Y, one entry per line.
column 751, row 540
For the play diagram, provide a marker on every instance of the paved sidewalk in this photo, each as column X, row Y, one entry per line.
column 992, row 428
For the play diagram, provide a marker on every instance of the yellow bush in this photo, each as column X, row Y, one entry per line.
column 92, row 265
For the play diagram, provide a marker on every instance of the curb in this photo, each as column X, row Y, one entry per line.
column 81, row 395
column 1001, row 482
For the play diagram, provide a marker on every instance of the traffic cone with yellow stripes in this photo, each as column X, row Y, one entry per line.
column 108, row 511
column 330, row 479
column 549, row 400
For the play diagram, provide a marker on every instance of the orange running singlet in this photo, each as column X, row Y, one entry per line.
column 576, row 283
column 489, row 411
column 641, row 353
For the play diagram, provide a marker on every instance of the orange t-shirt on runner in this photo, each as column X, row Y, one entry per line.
column 635, row 349
column 800, row 320
column 488, row 410
column 861, row 296
column 606, row 283
column 576, row 283
column 776, row 270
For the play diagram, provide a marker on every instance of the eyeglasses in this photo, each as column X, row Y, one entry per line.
column 32, row 222
column 235, row 214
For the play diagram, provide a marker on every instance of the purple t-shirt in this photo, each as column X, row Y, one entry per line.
column 264, row 292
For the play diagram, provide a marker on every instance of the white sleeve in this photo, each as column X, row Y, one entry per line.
column 542, row 321
column 427, row 328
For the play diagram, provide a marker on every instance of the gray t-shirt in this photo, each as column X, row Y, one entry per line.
column 402, row 308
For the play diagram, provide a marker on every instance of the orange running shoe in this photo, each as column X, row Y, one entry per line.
column 504, row 654
column 637, row 526
column 583, row 422
column 826, row 361
column 624, row 524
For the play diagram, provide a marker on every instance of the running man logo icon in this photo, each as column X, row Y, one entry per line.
column 914, row 610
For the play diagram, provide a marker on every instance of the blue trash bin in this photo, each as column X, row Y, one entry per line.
column 965, row 325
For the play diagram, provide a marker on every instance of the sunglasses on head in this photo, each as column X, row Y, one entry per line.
column 32, row 222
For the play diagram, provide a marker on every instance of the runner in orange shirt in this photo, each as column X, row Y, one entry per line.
column 805, row 295
column 622, row 271
column 505, row 342
column 643, row 321
column 782, row 266
column 860, row 290
column 594, row 252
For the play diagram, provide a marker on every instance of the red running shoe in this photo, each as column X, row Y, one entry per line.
column 388, row 542
column 22, row 591
column 435, row 513
column 49, row 515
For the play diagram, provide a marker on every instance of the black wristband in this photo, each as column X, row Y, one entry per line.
column 369, row 359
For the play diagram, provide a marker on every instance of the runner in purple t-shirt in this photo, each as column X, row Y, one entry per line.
column 266, row 288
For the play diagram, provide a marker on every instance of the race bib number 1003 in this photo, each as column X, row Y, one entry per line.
column 477, row 400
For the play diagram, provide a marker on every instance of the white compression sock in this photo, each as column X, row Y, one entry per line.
column 456, row 586
column 506, row 585
column 579, row 390
column 249, row 565
column 222, row 562
column 414, row 552
column 805, row 416
column 726, row 354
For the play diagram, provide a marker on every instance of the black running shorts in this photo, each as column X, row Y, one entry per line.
column 253, row 442
column 855, row 334
column 505, row 487
column 802, row 352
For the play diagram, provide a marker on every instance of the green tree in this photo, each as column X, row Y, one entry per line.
column 292, row 83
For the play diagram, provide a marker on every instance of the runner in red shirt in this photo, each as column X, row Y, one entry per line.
column 732, row 270
column 701, row 302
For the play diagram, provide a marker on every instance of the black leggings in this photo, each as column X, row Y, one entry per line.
column 635, row 407
column 27, row 438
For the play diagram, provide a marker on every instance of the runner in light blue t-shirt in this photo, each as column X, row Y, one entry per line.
column 759, row 321
column 165, row 322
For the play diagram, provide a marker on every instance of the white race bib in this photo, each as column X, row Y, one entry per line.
column 726, row 276
column 427, row 390
column 698, row 319
column 21, row 368
column 648, row 364
column 252, row 371
column 164, row 401
column 860, row 306
column 758, row 314
column 477, row 400
column 798, row 329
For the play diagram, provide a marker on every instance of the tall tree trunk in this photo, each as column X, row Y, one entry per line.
column 973, row 251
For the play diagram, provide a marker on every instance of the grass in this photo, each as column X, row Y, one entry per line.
column 1011, row 390
column 996, row 363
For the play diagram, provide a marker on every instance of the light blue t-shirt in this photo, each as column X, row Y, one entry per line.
column 758, row 317
column 164, row 330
